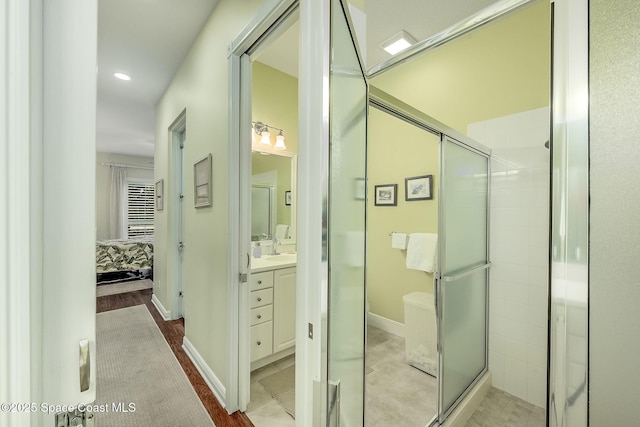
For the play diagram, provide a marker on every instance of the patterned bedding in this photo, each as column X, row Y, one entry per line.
column 124, row 255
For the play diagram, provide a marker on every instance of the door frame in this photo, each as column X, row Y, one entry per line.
column 177, row 130
column 21, row 233
column 48, row 114
column 239, row 195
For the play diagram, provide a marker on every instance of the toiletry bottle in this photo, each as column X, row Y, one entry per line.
column 257, row 250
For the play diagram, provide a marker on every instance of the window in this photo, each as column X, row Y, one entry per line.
column 140, row 209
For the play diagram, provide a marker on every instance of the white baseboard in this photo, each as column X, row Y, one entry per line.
column 470, row 403
column 166, row 314
column 387, row 325
column 215, row 385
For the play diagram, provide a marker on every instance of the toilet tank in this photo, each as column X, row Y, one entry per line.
column 420, row 332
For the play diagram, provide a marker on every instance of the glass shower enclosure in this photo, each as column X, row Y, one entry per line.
column 462, row 285
column 461, row 291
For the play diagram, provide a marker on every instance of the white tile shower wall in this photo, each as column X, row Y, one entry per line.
column 519, row 251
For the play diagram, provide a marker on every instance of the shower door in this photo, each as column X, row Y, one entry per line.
column 346, row 226
column 462, row 285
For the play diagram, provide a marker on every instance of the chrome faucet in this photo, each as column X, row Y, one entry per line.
column 275, row 242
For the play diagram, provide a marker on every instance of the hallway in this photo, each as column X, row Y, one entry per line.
column 173, row 332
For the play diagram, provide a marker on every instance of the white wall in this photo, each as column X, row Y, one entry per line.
column 103, row 184
column 614, row 283
column 519, row 237
column 201, row 87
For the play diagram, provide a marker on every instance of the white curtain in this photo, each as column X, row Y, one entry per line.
column 118, row 203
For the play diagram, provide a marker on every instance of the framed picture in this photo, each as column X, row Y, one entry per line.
column 287, row 198
column 202, row 182
column 386, row 195
column 160, row 195
column 418, row 188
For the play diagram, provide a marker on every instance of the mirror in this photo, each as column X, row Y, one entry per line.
column 263, row 210
column 273, row 176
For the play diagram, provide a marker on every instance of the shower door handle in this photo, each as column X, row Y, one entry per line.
column 436, row 307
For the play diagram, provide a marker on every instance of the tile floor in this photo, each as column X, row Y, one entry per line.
column 264, row 410
column 500, row 409
column 397, row 394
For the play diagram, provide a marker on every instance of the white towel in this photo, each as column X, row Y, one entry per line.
column 281, row 231
column 399, row 241
column 421, row 251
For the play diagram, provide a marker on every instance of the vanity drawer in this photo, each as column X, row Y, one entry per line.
column 261, row 280
column 261, row 314
column 261, row 340
column 261, row 297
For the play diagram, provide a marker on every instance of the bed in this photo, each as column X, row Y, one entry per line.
column 118, row 260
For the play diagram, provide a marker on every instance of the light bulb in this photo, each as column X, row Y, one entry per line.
column 280, row 142
column 266, row 138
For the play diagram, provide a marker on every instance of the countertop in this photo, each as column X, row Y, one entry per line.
column 273, row 262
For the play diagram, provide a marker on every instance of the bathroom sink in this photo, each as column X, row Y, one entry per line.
column 283, row 258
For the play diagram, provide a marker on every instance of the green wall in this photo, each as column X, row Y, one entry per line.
column 200, row 87
column 497, row 70
column 275, row 102
column 397, row 150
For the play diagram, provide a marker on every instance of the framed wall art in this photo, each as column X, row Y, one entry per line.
column 160, row 195
column 386, row 195
column 202, row 182
column 418, row 188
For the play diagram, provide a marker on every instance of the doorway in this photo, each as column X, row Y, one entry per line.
column 456, row 280
column 267, row 219
column 178, row 132
column 401, row 386
column 333, row 329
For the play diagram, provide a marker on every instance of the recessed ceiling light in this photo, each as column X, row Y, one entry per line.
column 121, row 76
column 398, row 42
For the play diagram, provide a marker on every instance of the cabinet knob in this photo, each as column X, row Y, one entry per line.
column 259, row 342
column 259, row 299
column 259, row 282
column 259, row 316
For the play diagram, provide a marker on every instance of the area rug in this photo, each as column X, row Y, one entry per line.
column 139, row 380
column 281, row 386
column 122, row 287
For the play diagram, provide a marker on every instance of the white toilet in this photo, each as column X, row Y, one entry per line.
column 420, row 333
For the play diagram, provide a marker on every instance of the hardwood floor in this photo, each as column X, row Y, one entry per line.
column 173, row 332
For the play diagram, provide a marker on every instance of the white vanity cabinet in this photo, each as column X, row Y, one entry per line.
column 273, row 313
column 261, row 315
column 284, row 311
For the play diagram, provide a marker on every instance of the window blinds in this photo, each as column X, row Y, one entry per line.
column 140, row 209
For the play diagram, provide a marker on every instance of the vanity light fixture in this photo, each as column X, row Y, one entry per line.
column 398, row 42
column 280, row 142
column 265, row 137
column 262, row 130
